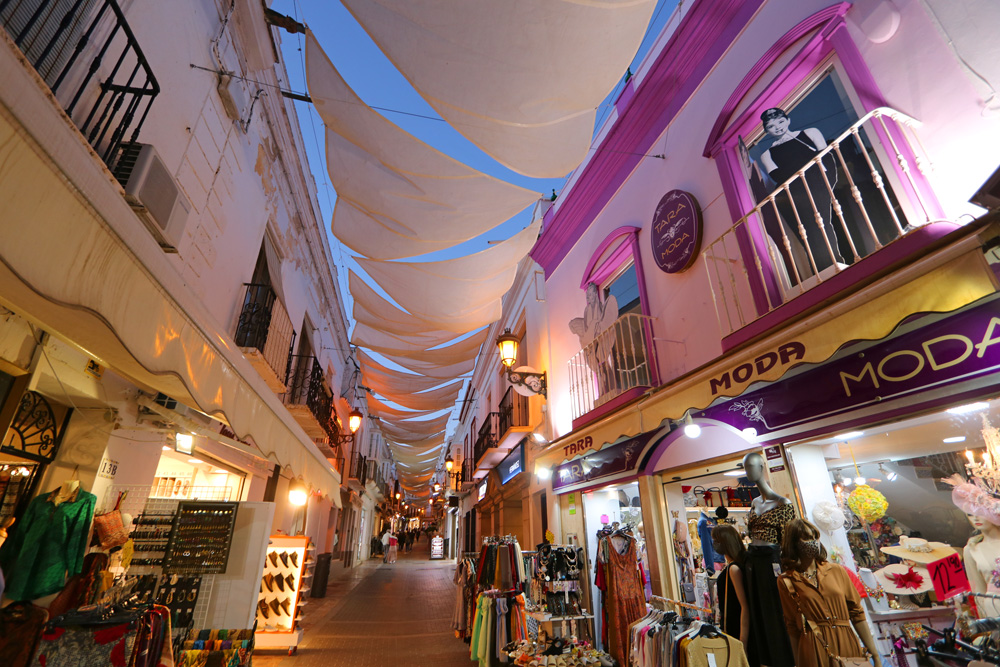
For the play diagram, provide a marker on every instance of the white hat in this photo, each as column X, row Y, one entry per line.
column 919, row 550
column 902, row 579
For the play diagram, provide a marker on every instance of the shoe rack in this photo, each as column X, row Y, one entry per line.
column 287, row 577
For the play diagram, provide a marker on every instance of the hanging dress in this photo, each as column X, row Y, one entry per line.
column 626, row 599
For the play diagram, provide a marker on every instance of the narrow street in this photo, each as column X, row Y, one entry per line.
column 378, row 615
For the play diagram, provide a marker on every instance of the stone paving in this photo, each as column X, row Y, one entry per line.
column 381, row 615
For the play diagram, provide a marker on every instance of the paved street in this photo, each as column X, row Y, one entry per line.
column 379, row 615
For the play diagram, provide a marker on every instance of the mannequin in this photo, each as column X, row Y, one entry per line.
column 981, row 555
column 769, row 643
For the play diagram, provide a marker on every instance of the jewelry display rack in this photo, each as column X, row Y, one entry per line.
column 553, row 591
column 287, row 576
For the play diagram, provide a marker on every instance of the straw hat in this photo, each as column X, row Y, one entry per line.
column 919, row 550
column 902, row 579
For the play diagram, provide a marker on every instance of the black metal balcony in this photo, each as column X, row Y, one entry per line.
column 359, row 469
column 86, row 53
column 489, row 436
column 265, row 333
column 513, row 411
column 307, row 387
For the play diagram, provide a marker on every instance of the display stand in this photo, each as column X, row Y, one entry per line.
column 288, row 571
column 555, row 595
column 437, row 548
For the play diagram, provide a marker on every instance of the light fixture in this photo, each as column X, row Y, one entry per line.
column 167, row 449
column 860, row 481
column 954, row 438
column 196, row 461
column 850, row 435
column 437, row 487
column 734, row 473
column 449, row 463
column 749, row 434
column 530, row 381
column 691, row 429
column 354, row 420
column 297, row 492
column 539, row 438
column 543, row 472
column 183, row 443
column 966, row 409
column 889, row 475
column 397, row 496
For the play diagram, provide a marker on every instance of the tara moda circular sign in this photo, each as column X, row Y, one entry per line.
column 676, row 231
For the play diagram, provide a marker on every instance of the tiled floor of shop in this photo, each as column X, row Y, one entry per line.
column 380, row 615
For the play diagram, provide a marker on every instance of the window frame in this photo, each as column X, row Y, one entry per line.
column 824, row 39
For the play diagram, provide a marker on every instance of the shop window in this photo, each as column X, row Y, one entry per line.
column 195, row 477
column 614, row 331
column 819, row 172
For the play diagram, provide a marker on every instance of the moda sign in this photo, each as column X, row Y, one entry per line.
column 957, row 348
column 676, row 231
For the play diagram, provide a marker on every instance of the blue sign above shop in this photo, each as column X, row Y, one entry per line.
column 513, row 465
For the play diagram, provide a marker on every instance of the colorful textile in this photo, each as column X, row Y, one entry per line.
column 86, row 646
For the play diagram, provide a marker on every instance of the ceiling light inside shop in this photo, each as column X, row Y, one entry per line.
column 851, row 435
column 195, row 461
column 954, row 438
column 966, row 409
column 860, row 481
column 750, row 434
column 220, row 472
column 734, row 473
column 167, row 449
column 888, row 474
column 691, row 429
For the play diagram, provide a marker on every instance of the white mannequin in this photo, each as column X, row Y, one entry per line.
column 981, row 554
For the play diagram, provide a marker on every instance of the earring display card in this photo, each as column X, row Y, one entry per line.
column 287, row 577
column 201, row 538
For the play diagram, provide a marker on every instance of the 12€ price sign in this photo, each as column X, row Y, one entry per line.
column 948, row 575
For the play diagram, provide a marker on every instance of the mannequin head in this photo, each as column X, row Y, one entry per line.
column 983, row 526
column 753, row 466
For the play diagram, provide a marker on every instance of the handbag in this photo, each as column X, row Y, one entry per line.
column 109, row 528
column 810, row 626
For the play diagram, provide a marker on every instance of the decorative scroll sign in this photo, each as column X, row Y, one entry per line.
column 676, row 231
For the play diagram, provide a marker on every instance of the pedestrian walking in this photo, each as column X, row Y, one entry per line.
column 385, row 546
column 393, row 547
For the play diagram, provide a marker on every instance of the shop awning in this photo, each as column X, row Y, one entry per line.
column 65, row 266
column 953, row 283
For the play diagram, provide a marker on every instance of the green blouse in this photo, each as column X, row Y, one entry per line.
column 47, row 545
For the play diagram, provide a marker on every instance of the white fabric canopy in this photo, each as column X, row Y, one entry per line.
column 416, row 446
column 397, row 196
column 458, row 294
column 394, row 347
column 375, row 339
column 390, row 383
column 424, row 427
column 521, row 79
column 383, row 411
column 436, row 399
column 374, row 315
column 431, row 369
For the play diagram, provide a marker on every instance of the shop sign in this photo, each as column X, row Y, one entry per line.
column 108, row 468
column 961, row 347
column 93, row 369
column 676, row 231
column 512, row 465
column 482, row 490
column 571, row 501
column 750, row 371
column 437, row 547
column 609, row 461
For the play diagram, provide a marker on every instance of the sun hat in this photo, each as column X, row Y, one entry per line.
column 900, row 579
column 919, row 550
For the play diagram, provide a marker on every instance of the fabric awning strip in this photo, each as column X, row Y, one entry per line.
column 390, row 383
column 394, row 347
column 434, row 399
column 453, row 293
column 383, row 411
column 521, row 79
column 398, row 196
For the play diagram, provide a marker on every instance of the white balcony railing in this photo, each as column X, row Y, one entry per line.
column 613, row 363
column 838, row 208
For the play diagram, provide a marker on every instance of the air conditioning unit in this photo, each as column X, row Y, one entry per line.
column 154, row 195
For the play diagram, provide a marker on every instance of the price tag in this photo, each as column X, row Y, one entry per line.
column 711, row 659
column 948, row 575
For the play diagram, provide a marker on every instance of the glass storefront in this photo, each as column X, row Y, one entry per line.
column 195, row 477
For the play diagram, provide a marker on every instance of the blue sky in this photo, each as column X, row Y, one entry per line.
column 381, row 86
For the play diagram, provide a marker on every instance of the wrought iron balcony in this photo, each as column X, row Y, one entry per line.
column 489, row 436
column 615, row 362
column 359, row 471
column 265, row 334
column 308, row 398
column 839, row 208
column 513, row 416
column 86, row 53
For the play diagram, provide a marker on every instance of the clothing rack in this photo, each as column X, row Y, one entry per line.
column 499, row 539
column 662, row 603
column 991, row 596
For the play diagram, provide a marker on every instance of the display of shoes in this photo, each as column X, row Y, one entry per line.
column 262, row 608
column 290, row 582
column 284, row 605
column 280, row 581
column 294, row 557
column 284, row 558
column 273, row 557
column 275, row 607
column 269, row 582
